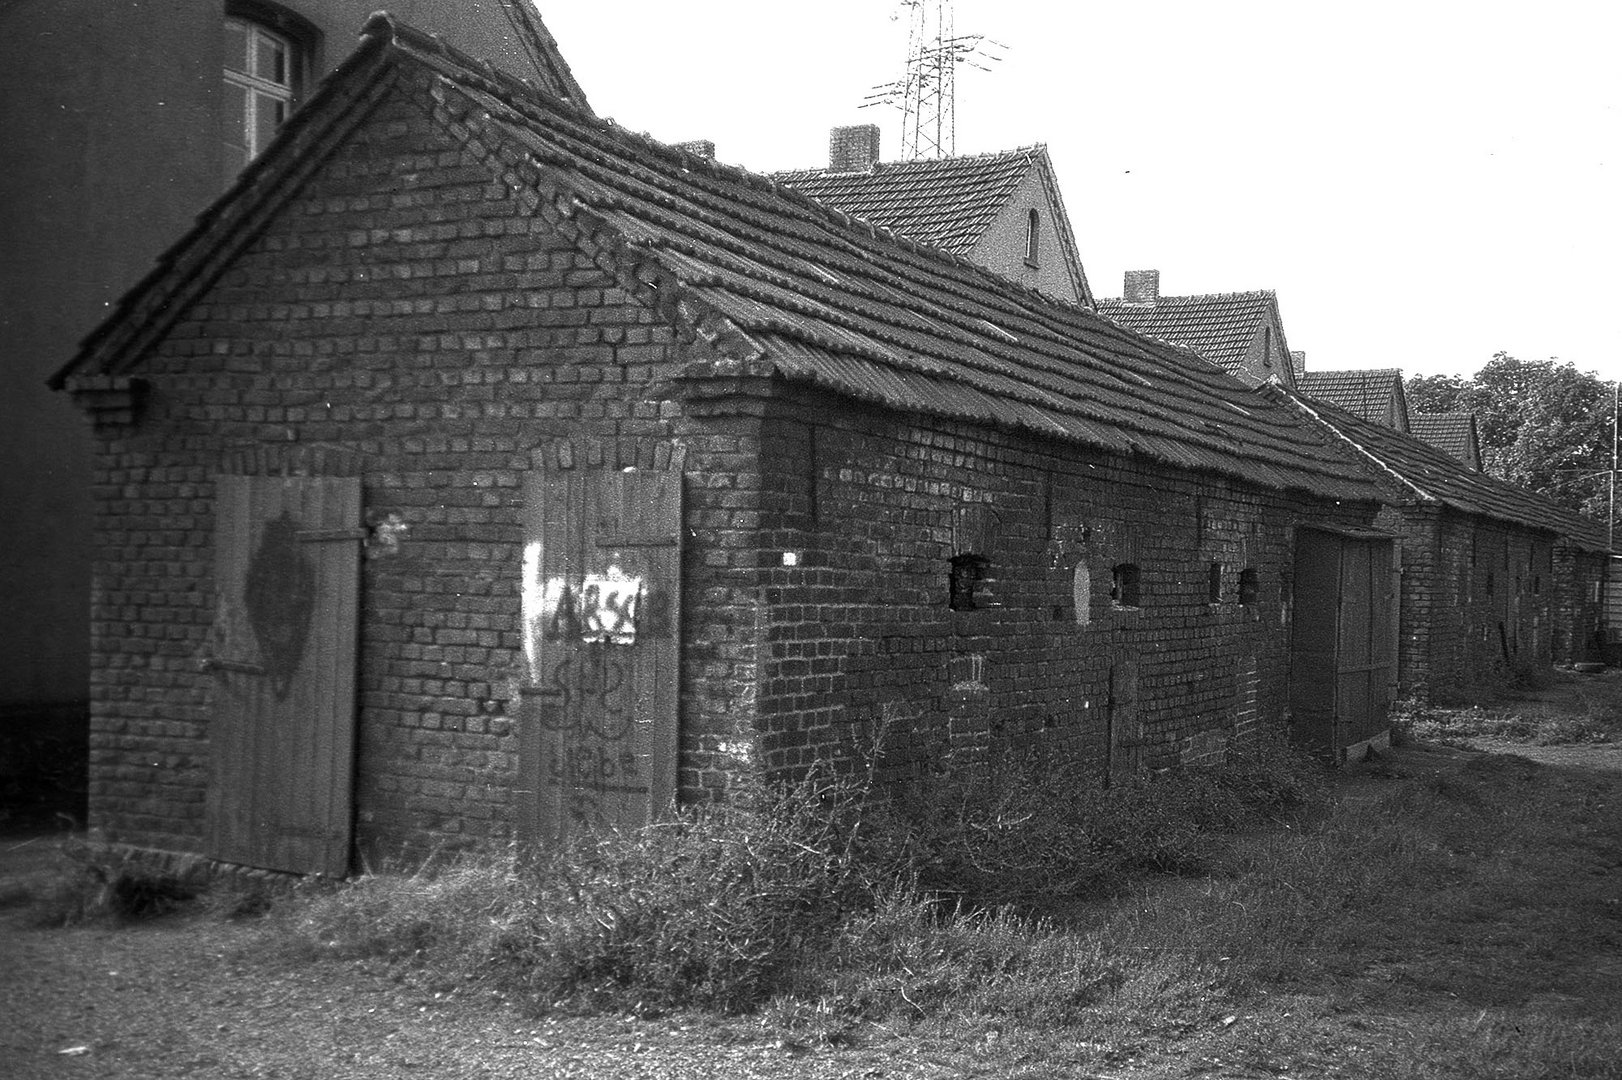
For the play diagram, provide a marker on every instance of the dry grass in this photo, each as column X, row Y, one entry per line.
column 1561, row 708
column 1429, row 899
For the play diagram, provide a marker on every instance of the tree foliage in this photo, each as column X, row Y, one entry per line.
column 1543, row 425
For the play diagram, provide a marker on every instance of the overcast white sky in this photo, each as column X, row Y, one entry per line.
column 1422, row 183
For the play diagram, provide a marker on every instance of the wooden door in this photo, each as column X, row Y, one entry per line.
column 602, row 617
column 1313, row 640
column 281, row 735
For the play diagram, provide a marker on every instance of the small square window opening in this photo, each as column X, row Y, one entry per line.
column 964, row 582
column 1250, row 589
column 1124, row 581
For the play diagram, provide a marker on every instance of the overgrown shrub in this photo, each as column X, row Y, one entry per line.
column 720, row 908
column 706, row 910
column 1032, row 834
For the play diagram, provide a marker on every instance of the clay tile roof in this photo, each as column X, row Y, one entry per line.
column 946, row 203
column 1428, row 474
column 1218, row 326
column 780, row 285
column 1453, row 432
column 1367, row 392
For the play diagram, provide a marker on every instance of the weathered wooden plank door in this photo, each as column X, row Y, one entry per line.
column 1314, row 633
column 282, row 733
column 602, row 616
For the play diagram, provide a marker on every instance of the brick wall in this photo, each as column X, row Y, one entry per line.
column 1419, row 604
column 864, row 513
column 854, row 148
column 1478, row 602
column 406, row 321
column 1578, row 603
column 1484, row 601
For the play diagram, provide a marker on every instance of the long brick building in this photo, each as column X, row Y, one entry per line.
column 475, row 466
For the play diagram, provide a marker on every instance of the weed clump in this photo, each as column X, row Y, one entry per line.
column 708, row 910
column 91, row 882
column 728, row 906
column 1033, row 835
column 1573, row 710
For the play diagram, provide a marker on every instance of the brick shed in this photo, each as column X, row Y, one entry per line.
column 1495, row 580
column 475, row 466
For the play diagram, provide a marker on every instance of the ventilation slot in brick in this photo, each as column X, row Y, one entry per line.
column 965, row 582
column 1123, row 590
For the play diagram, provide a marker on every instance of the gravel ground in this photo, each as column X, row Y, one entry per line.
column 168, row 1000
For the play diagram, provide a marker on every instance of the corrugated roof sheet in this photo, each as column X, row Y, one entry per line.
column 1432, row 474
column 1452, row 432
column 1218, row 326
column 807, row 292
column 946, row 203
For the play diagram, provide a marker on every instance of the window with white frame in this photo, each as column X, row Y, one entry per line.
column 262, row 77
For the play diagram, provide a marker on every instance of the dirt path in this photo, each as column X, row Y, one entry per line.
column 1602, row 757
column 178, row 999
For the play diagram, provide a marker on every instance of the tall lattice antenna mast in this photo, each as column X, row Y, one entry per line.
column 927, row 93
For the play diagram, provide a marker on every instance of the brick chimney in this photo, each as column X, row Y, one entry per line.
column 703, row 148
column 1141, row 287
column 853, row 149
column 1298, row 362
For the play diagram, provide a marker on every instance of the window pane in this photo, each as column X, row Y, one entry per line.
column 234, row 117
column 236, row 45
column 270, row 58
column 233, row 132
column 268, row 116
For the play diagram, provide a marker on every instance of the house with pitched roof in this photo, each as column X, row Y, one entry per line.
column 1493, row 580
column 1454, row 433
column 1001, row 210
column 122, row 122
column 476, row 468
column 1375, row 394
column 1241, row 332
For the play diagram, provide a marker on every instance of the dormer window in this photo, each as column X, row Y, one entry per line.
column 1033, row 237
column 266, row 54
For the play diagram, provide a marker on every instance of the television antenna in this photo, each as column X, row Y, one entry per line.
column 926, row 94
